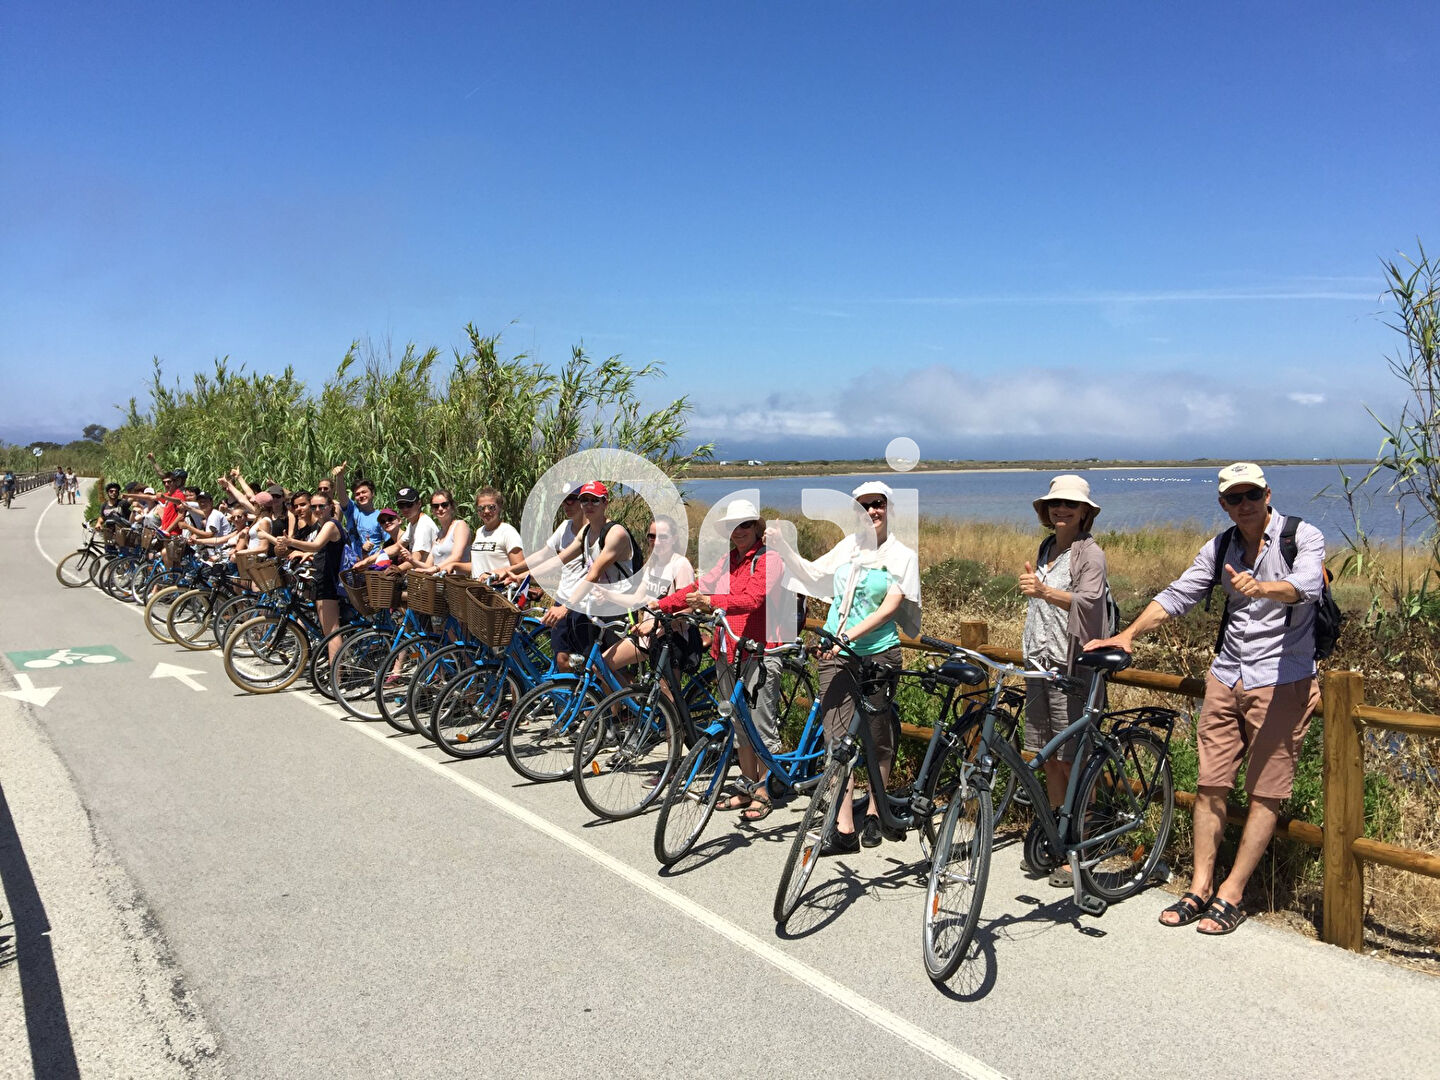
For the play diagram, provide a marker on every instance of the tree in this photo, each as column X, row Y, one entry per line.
column 95, row 433
column 43, row 445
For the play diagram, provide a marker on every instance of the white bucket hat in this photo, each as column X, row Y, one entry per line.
column 873, row 487
column 737, row 511
column 1068, row 486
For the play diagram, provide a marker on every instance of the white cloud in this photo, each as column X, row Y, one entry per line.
column 1306, row 399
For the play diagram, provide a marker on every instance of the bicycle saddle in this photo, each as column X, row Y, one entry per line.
column 961, row 671
column 1111, row 660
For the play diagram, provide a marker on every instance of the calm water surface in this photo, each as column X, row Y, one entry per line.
column 1129, row 498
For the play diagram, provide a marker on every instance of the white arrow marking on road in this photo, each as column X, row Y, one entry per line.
column 29, row 693
column 174, row 671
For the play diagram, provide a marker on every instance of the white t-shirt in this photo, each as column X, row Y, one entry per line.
column 660, row 580
column 572, row 571
column 420, row 534
column 217, row 524
column 490, row 550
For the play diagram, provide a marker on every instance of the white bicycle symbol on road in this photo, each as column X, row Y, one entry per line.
column 66, row 657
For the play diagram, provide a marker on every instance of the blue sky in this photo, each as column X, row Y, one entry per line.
column 1003, row 230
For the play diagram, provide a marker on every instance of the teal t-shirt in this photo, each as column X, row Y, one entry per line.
column 870, row 593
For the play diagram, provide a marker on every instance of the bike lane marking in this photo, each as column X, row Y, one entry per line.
column 71, row 656
column 872, row 1012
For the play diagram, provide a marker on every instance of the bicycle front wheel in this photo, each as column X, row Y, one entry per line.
column 540, row 737
column 157, row 612
column 959, row 871
column 625, row 752
column 188, row 620
column 76, row 569
column 817, row 823
column 472, row 711
column 392, row 690
column 266, row 654
column 439, row 668
column 1129, row 801
column 354, row 670
column 690, row 798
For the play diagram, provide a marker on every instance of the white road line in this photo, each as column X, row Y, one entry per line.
column 922, row 1040
column 47, row 558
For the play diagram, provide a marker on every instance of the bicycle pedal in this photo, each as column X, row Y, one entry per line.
column 1091, row 905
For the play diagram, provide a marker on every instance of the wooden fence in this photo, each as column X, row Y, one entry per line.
column 1344, row 846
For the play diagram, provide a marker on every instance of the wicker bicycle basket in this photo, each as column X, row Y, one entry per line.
column 354, row 585
column 425, row 593
column 265, row 574
column 490, row 617
column 174, row 552
column 244, row 560
column 111, row 532
column 383, row 589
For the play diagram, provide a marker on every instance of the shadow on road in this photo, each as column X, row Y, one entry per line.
column 52, row 1052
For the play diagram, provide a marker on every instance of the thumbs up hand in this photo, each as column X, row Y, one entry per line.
column 1030, row 584
column 1244, row 582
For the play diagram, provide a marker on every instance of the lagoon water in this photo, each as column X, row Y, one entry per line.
column 1129, row 498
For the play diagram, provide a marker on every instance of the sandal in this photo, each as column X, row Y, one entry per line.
column 1225, row 914
column 1062, row 879
column 735, row 802
column 759, row 808
column 1187, row 910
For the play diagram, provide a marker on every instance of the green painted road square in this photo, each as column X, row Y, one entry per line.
column 71, row 657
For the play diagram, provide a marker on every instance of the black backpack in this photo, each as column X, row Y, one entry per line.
column 1112, row 609
column 626, row 566
column 1328, row 616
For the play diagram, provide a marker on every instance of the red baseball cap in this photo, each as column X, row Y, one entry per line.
column 594, row 487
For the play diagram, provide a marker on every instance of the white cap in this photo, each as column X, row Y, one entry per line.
column 873, row 487
column 1242, row 472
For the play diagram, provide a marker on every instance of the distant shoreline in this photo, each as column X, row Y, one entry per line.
column 775, row 470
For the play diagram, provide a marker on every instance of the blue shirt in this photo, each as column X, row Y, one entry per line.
column 361, row 525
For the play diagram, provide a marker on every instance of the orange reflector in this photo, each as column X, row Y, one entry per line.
column 462, row 738
column 935, row 907
column 595, row 767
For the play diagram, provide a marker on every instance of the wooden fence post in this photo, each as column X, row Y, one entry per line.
column 1344, row 793
column 974, row 634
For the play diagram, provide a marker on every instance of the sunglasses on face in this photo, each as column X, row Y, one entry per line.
column 747, row 525
column 404, row 505
column 443, row 506
column 567, row 500
column 1235, row 498
column 1069, row 504
column 487, row 508
column 589, row 500
column 874, row 504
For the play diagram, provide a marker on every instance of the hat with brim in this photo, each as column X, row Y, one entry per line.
column 381, row 515
column 738, row 511
column 1074, row 488
column 1240, row 474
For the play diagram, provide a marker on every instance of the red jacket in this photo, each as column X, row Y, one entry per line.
column 753, row 575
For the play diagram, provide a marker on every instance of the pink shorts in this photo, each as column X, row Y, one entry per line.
column 1268, row 723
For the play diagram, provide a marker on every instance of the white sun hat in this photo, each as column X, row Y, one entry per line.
column 738, row 510
column 873, row 487
column 1069, row 486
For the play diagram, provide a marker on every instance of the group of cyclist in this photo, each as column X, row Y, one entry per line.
column 1260, row 691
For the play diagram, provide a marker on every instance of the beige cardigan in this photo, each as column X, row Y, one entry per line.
column 1087, row 591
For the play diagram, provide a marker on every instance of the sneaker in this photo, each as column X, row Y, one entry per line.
column 840, row 843
column 870, row 831
column 873, row 832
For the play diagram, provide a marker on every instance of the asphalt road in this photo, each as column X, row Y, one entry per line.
column 205, row 883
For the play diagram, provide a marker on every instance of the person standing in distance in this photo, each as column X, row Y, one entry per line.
column 1260, row 691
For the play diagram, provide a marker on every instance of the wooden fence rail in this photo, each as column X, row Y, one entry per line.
column 1344, row 846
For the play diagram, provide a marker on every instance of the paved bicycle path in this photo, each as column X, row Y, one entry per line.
column 343, row 902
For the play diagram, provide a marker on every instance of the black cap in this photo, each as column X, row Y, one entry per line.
column 203, row 495
column 407, row 494
column 276, row 491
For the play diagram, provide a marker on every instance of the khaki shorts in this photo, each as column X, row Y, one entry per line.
column 838, row 690
column 1268, row 723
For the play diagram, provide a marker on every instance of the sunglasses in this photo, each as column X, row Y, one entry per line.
column 567, row 500
column 486, row 508
column 589, row 500
column 404, row 505
column 443, row 506
column 875, row 504
column 1069, row 504
column 1235, row 498
column 748, row 525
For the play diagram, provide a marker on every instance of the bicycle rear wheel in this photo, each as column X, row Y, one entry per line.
column 115, row 578
column 392, row 689
column 472, row 711
column 690, row 798
column 438, row 669
column 817, row 823
column 945, row 776
column 625, row 752
column 1133, row 796
column 188, row 619
column 959, row 871
column 266, row 654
